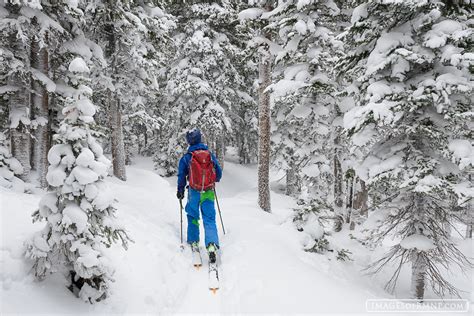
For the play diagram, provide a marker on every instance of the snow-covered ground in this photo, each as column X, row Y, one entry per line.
column 263, row 267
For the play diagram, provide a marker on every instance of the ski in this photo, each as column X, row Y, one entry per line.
column 197, row 259
column 213, row 277
column 213, row 273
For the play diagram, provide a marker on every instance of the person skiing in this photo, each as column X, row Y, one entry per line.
column 201, row 169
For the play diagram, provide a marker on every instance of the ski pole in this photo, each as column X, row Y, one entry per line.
column 181, row 214
column 219, row 208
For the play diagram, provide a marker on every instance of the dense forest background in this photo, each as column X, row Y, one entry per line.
column 364, row 106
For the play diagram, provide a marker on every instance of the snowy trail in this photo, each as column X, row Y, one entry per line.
column 262, row 266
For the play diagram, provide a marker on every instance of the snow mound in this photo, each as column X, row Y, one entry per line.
column 440, row 33
column 78, row 65
column 463, row 152
column 250, row 14
column 73, row 214
column 419, row 242
column 427, row 183
column 359, row 13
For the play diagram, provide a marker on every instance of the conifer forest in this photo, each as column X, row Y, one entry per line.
column 342, row 130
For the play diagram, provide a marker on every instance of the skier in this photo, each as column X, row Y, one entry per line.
column 201, row 168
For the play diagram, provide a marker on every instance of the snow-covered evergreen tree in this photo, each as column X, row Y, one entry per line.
column 16, row 76
column 133, row 36
column 410, row 64
column 260, row 17
column 308, row 140
column 244, row 114
column 46, row 33
column 304, row 91
column 10, row 168
column 245, row 122
column 79, row 210
column 142, row 90
column 37, row 29
column 203, row 83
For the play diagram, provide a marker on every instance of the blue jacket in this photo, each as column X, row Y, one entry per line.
column 183, row 167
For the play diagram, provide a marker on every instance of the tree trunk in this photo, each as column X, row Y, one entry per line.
column 418, row 275
column 139, row 142
column 115, row 113
column 19, row 109
column 359, row 202
column 20, row 146
column 243, row 150
column 361, row 198
column 338, row 200
column 349, row 199
column 118, row 147
column 146, row 138
column 264, row 126
column 419, row 258
column 468, row 231
column 40, row 107
column 469, row 215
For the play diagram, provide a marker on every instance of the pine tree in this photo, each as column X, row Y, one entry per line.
column 112, row 14
column 410, row 63
column 126, row 41
column 133, row 36
column 244, row 114
column 304, row 92
column 15, row 38
column 10, row 168
column 259, row 16
column 265, row 77
column 40, row 105
column 308, row 140
column 79, row 211
column 34, row 28
column 202, row 79
column 47, row 34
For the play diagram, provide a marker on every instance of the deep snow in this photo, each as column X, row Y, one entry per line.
column 262, row 265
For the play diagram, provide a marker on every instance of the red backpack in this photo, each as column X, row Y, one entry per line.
column 202, row 174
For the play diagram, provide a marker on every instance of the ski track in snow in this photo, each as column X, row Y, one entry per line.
column 261, row 266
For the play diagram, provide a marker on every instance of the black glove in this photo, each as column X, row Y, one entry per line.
column 180, row 195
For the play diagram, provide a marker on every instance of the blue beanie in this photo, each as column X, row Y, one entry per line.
column 193, row 137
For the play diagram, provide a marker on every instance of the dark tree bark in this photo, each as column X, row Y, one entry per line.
column 361, row 198
column 118, row 147
column 40, row 107
column 468, row 231
column 115, row 113
column 265, row 70
column 418, row 275
column 338, row 199
column 350, row 212
column 419, row 260
column 469, row 216
column 18, row 103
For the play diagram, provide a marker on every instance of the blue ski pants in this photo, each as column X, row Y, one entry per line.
column 201, row 202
